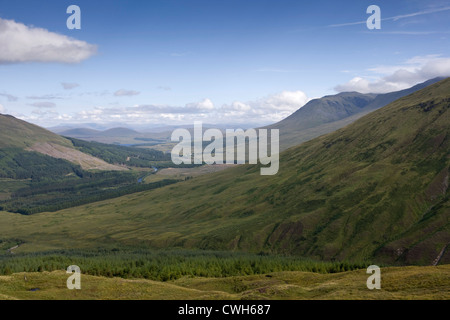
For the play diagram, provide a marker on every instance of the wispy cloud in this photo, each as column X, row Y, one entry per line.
column 44, row 97
column 94, row 93
column 42, row 113
column 123, row 92
column 412, row 33
column 69, row 86
column 10, row 97
column 419, row 13
column 42, row 104
column 395, row 18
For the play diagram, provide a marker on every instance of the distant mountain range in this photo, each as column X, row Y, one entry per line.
column 119, row 135
column 89, row 133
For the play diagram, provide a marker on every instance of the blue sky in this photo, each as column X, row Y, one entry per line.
column 225, row 61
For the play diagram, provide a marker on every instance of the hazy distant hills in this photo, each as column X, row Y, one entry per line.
column 376, row 190
column 84, row 132
column 79, row 132
column 330, row 113
column 119, row 135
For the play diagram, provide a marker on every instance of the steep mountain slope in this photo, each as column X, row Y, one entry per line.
column 327, row 114
column 17, row 133
column 18, row 136
column 376, row 189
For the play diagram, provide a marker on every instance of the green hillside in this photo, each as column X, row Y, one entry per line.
column 377, row 189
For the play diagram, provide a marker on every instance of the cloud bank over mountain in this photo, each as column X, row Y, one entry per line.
column 388, row 78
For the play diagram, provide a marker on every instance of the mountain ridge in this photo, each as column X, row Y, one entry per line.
column 332, row 112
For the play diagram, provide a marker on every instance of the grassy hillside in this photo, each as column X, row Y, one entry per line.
column 397, row 283
column 16, row 133
column 375, row 190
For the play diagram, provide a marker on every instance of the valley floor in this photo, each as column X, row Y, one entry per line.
column 396, row 283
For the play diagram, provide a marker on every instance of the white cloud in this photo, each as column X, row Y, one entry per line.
column 363, row 85
column 237, row 106
column 123, row 92
column 288, row 101
column 69, row 86
column 2, row 109
column 205, row 105
column 268, row 110
column 20, row 43
column 398, row 77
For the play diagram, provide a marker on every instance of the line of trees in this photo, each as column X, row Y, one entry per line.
column 48, row 202
column 20, row 164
